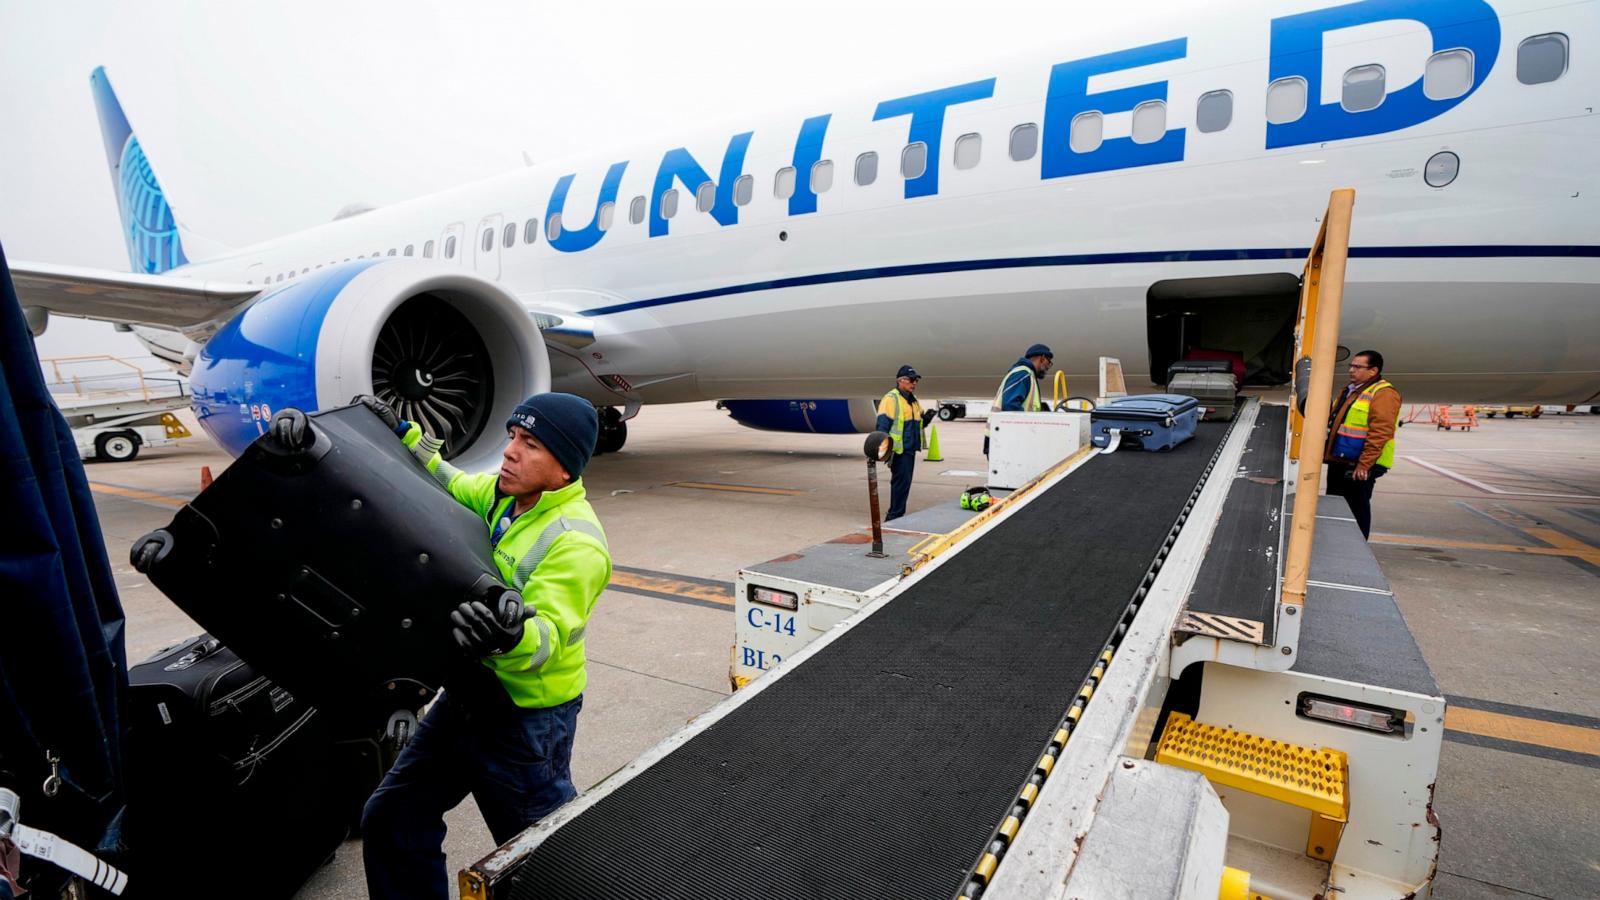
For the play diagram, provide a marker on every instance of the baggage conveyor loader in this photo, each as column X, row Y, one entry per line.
column 1034, row 712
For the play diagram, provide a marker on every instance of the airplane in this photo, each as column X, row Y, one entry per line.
column 1141, row 192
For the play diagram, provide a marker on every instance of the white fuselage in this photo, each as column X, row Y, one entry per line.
column 1482, row 289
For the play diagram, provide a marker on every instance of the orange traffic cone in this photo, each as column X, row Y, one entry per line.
column 205, row 477
column 933, row 444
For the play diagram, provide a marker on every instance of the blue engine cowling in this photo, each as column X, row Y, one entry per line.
column 806, row 416
column 446, row 348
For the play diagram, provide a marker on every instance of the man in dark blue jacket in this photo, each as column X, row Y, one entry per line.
column 1019, row 390
column 902, row 418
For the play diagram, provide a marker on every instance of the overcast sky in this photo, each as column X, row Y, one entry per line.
column 261, row 119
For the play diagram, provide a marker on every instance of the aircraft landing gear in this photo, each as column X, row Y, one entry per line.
column 613, row 431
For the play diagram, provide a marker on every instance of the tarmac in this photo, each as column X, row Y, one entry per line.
column 1490, row 539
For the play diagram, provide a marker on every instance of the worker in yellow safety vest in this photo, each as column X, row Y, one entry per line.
column 1019, row 390
column 1361, row 432
column 901, row 417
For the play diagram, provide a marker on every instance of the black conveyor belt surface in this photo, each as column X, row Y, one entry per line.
column 1242, row 582
column 880, row 767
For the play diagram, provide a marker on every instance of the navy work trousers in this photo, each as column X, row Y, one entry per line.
column 1356, row 493
column 900, row 466
column 516, row 763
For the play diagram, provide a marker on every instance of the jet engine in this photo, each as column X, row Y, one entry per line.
column 448, row 350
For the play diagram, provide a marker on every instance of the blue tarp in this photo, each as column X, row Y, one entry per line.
column 62, row 662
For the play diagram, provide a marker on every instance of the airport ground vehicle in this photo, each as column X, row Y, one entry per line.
column 115, row 408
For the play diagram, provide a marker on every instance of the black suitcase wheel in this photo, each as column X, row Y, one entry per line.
column 150, row 550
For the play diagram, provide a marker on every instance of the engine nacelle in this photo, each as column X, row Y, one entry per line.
column 806, row 416
column 447, row 349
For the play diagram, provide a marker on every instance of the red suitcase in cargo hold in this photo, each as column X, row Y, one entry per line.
column 1234, row 358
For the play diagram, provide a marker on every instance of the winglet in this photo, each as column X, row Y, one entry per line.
column 148, row 226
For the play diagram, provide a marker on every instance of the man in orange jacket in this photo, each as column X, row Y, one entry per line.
column 1361, row 432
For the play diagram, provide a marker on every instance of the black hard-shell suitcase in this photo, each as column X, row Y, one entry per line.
column 1145, row 421
column 333, row 568
column 232, row 782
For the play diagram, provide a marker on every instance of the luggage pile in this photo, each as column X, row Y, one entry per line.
column 324, row 572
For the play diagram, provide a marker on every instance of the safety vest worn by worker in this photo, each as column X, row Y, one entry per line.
column 1031, row 404
column 556, row 556
column 903, row 413
column 1351, row 438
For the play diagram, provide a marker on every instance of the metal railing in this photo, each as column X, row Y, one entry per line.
column 86, row 378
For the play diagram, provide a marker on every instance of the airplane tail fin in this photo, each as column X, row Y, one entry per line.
column 148, row 226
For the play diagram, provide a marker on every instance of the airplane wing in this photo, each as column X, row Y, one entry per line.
column 159, row 301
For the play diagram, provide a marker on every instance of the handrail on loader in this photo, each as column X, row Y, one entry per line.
column 1316, row 336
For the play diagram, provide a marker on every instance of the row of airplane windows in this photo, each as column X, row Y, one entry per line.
column 1448, row 74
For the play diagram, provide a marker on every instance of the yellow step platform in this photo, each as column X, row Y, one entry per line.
column 1317, row 780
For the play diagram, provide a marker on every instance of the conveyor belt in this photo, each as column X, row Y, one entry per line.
column 881, row 766
column 1235, row 594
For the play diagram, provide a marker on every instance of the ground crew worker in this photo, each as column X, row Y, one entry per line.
column 901, row 417
column 509, row 746
column 1019, row 390
column 1361, row 432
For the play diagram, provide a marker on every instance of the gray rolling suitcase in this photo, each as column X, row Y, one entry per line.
column 1211, row 381
column 1145, row 421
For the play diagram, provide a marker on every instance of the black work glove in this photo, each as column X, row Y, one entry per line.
column 380, row 409
column 482, row 632
column 927, row 416
column 292, row 430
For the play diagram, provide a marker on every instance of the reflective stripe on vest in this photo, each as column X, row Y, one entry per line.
column 897, row 431
column 547, row 538
column 1031, row 402
column 1351, row 438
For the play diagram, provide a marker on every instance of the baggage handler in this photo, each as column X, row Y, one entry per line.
column 512, row 753
column 1361, row 432
column 1019, row 390
column 902, row 418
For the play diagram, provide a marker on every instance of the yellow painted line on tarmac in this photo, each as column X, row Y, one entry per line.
column 136, row 494
column 740, row 488
column 664, row 585
column 1574, row 738
column 1562, row 545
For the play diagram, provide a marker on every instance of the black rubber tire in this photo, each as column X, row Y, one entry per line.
column 612, row 438
column 118, row 446
column 946, row 414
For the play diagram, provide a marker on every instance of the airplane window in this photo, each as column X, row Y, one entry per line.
column 450, row 247
column 408, row 250
column 280, row 276
column 508, row 236
column 427, row 250
column 705, row 196
column 291, row 273
column 1448, row 75
column 391, row 251
column 821, row 176
column 1149, row 121
column 1542, row 58
column 552, row 227
column 1214, row 112
column 530, row 231
column 914, row 160
column 1363, row 88
column 1286, row 100
column 866, row 168
column 305, row 270
column 1024, row 141
column 608, row 212
column 669, row 203
column 1088, row 130
column 636, row 210
column 488, row 239
column 783, row 183
column 969, row 148
column 744, row 190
